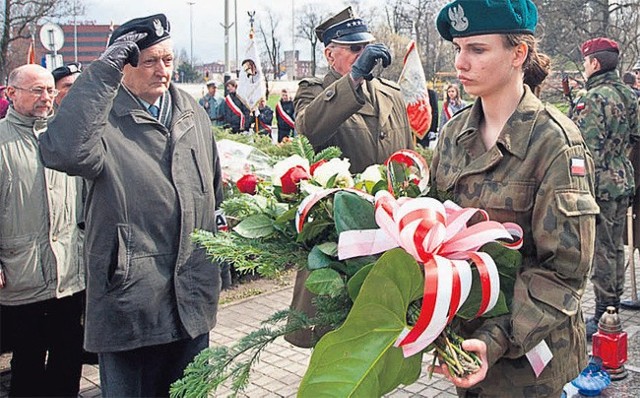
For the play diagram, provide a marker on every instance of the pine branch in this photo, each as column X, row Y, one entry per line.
column 216, row 365
column 267, row 258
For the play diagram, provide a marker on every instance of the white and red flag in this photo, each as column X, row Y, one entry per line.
column 413, row 86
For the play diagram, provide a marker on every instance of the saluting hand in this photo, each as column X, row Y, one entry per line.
column 365, row 63
column 123, row 50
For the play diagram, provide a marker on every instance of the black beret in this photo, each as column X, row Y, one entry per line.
column 66, row 70
column 155, row 26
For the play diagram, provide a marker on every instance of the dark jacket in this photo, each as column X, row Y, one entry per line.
column 233, row 121
column 149, row 188
column 367, row 126
column 287, row 107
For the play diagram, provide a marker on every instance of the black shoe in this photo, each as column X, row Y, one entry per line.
column 592, row 327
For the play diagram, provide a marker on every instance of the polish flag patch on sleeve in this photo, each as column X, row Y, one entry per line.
column 580, row 106
column 578, row 167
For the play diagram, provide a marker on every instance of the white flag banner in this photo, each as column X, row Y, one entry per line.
column 251, row 85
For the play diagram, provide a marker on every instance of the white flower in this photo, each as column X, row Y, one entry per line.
column 284, row 165
column 339, row 167
column 372, row 174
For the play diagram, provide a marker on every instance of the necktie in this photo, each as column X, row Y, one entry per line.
column 154, row 111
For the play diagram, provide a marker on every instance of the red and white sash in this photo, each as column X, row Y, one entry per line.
column 285, row 116
column 235, row 109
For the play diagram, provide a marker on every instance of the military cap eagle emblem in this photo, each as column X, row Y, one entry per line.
column 157, row 27
column 458, row 20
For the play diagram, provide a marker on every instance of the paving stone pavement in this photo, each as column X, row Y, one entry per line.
column 282, row 365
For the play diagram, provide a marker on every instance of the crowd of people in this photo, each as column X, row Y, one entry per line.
column 108, row 169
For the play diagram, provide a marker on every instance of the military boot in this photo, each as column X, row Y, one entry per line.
column 592, row 323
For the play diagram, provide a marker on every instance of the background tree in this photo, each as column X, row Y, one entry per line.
column 267, row 32
column 18, row 17
column 311, row 15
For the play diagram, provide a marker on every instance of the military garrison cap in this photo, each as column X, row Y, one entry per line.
column 344, row 28
column 66, row 70
column 462, row 18
column 155, row 26
column 597, row 45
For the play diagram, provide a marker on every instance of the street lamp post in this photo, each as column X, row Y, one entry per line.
column 191, row 3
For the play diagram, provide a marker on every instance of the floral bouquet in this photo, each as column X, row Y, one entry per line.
column 390, row 267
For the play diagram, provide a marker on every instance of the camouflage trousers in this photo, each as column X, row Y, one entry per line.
column 607, row 272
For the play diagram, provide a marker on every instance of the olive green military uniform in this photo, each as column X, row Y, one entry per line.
column 539, row 175
column 607, row 116
column 368, row 123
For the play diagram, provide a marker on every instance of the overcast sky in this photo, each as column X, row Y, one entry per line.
column 208, row 17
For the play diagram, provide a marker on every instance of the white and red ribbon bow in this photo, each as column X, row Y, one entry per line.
column 436, row 235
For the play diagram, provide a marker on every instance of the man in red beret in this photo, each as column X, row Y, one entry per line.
column 607, row 116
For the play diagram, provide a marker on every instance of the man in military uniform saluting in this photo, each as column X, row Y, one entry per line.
column 607, row 116
column 363, row 116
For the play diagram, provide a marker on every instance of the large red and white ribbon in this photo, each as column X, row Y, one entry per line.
column 438, row 237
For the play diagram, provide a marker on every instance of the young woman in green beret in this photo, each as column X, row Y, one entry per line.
column 523, row 162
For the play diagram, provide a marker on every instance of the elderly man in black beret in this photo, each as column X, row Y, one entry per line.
column 147, row 150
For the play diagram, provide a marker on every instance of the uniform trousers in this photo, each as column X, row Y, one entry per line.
column 147, row 371
column 608, row 263
column 46, row 340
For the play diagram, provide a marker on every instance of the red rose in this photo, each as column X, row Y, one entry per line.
column 317, row 164
column 247, row 184
column 292, row 177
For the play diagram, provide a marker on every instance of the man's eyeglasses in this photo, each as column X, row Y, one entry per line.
column 38, row 91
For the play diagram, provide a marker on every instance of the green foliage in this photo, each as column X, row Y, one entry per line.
column 352, row 212
column 359, row 359
column 325, row 281
column 265, row 257
column 216, row 365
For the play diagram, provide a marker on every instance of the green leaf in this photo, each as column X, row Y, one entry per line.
column 354, row 265
column 359, row 359
column 257, row 226
column 318, row 259
column 325, row 281
column 354, row 284
column 380, row 186
column 350, row 211
column 507, row 262
column 329, row 248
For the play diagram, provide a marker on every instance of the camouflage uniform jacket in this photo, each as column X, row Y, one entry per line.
column 539, row 175
column 607, row 116
column 368, row 123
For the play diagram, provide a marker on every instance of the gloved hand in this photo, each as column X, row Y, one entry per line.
column 361, row 69
column 123, row 50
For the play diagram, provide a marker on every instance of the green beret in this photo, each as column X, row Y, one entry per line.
column 462, row 18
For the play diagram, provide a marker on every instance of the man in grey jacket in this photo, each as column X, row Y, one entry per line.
column 42, row 279
column 149, row 156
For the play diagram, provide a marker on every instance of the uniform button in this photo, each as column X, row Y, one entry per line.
column 54, row 238
column 61, row 290
column 382, row 135
column 50, row 187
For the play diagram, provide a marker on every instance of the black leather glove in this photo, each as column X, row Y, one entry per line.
column 123, row 50
column 365, row 63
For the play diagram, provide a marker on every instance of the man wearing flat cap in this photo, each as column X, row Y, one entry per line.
column 607, row 116
column 147, row 150
column 364, row 116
